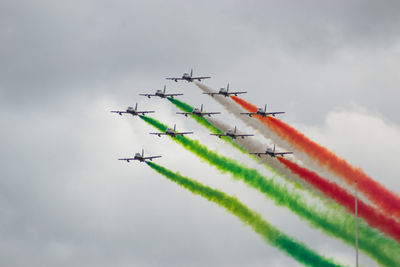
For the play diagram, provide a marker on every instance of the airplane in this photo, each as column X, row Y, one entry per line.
column 172, row 132
column 271, row 152
column 198, row 112
column 161, row 94
column 225, row 92
column 262, row 112
column 233, row 134
column 188, row 77
column 140, row 157
column 131, row 110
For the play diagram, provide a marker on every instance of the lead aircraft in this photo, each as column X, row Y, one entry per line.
column 189, row 77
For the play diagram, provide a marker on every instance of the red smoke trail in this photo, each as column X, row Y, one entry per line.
column 372, row 216
column 377, row 193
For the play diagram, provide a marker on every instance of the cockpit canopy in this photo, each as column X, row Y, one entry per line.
column 196, row 110
column 186, row 75
column 223, row 90
column 260, row 110
column 138, row 155
column 130, row 108
column 159, row 92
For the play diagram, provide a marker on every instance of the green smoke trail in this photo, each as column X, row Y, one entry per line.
column 341, row 225
column 188, row 108
column 271, row 235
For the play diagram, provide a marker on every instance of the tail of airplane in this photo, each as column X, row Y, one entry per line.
column 165, row 88
column 274, row 148
column 142, row 152
column 234, row 131
column 136, row 106
column 265, row 108
column 191, row 72
column 174, row 127
column 227, row 87
column 201, row 109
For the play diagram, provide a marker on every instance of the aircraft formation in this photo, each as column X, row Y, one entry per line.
column 231, row 133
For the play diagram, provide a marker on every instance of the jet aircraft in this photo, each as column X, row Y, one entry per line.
column 262, row 112
column 233, row 134
column 131, row 110
column 189, row 77
column 271, row 152
column 172, row 132
column 225, row 92
column 161, row 93
column 140, row 157
column 198, row 112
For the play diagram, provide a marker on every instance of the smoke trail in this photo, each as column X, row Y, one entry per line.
column 253, row 145
column 246, row 146
column 187, row 108
column 372, row 216
column 271, row 235
column 377, row 193
column 336, row 224
column 235, row 110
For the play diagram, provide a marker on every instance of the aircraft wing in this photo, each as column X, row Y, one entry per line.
column 243, row 135
column 172, row 95
column 219, row 135
column 148, row 95
column 174, row 79
column 236, row 93
column 274, row 113
column 200, row 78
column 183, row 133
column 258, row 153
column 248, row 113
column 118, row 112
column 210, row 113
column 144, row 112
column 282, row 153
column 211, row 94
column 185, row 113
column 159, row 134
column 151, row 158
column 127, row 159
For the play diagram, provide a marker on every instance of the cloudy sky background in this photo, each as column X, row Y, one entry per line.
column 64, row 198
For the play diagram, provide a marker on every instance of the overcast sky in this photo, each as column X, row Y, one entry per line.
column 64, row 198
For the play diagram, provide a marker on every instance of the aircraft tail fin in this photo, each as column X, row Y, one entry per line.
column 234, row 131
column 227, row 87
column 265, row 108
column 191, row 72
column 165, row 87
column 136, row 106
column 142, row 152
column 201, row 109
column 174, row 127
column 274, row 148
